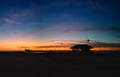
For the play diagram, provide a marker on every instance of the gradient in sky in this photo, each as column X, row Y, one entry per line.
column 35, row 22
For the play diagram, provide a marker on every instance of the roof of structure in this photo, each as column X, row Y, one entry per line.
column 81, row 46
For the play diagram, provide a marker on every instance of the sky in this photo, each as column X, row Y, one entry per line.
column 36, row 22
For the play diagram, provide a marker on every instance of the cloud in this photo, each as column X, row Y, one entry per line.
column 104, row 44
column 93, row 43
column 72, row 27
column 8, row 20
column 21, row 14
column 108, row 31
column 16, row 16
column 95, row 5
column 105, row 29
column 38, row 31
column 50, row 29
column 71, row 31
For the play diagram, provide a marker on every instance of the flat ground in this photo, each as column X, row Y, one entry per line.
column 59, row 65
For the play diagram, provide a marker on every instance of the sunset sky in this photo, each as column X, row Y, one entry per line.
column 36, row 22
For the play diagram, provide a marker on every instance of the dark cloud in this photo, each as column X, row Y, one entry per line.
column 114, row 29
column 104, row 44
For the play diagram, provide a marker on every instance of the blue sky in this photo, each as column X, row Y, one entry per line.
column 39, row 21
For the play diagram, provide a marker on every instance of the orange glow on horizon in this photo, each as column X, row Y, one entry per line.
column 19, row 44
column 22, row 44
column 106, row 49
column 16, row 48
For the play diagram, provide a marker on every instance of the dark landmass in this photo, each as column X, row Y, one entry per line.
column 20, row 64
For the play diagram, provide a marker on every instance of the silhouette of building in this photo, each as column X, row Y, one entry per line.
column 81, row 47
column 27, row 50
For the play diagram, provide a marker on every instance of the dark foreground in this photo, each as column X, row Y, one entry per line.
column 58, row 65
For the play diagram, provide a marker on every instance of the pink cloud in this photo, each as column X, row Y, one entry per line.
column 74, row 31
column 93, row 29
column 62, row 28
